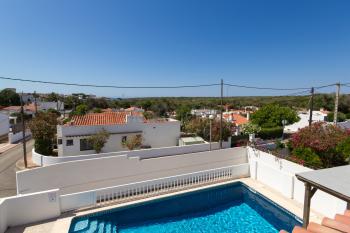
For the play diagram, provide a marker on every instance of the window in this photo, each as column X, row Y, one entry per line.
column 85, row 145
column 59, row 141
column 69, row 142
column 124, row 138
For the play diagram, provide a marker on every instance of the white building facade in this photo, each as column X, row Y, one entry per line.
column 72, row 138
column 317, row 116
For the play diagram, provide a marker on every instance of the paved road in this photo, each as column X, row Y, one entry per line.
column 8, row 161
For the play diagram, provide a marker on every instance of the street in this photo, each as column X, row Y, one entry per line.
column 8, row 161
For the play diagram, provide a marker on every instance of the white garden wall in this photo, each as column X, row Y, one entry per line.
column 4, row 124
column 279, row 174
column 97, row 173
column 42, row 160
column 15, row 137
column 28, row 208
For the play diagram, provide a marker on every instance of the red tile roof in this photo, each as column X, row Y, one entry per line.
column 27, row 107
column 104, row 118
column 236, row 118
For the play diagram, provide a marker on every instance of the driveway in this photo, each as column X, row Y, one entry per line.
column 8, row 161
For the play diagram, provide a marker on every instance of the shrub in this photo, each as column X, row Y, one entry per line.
column 271, row 133
column 341, row 117
column 133, row 142
column 308, row 156
column 99, row 140
column 329, row 142
column 239, row 140
column 347, row 115
column 343, row 149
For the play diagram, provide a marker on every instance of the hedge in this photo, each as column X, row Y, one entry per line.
column 239, row 140
column 270, row 133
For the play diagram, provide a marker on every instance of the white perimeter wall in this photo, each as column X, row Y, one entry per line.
column 42, row 160
column 4, row 124
column 89, row 174
column 13, row 138
column 19, row 210
column 279, row 174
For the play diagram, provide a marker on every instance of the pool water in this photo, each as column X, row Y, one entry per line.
column 228, row 208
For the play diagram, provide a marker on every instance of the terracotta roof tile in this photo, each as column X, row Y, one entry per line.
column 104, row 118
column 236, row 118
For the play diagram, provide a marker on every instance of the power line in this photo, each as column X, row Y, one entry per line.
column 299, row 93
column 169, row 87
column 267, row 88
column 109, row 86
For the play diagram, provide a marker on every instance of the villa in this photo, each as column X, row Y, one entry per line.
column 72, row 137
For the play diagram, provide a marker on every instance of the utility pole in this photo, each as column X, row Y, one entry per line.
column 311, row 105
column 335, row 118
column 23, row 134
column 221, row 112
column 35, row 103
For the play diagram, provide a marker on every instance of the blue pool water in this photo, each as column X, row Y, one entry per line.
column 228, row 208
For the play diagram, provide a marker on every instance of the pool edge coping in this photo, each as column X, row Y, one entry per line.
column 64, row 222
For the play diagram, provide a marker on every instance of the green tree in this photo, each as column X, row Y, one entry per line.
column 97, row 110
column 81, row 109
column 9, row 97
column 53, row 97
column 271, row 115
column 43, row 128
column 148, row 115
column 201, row 127
column 98, row 140
column 58, row 114
column 250, row 128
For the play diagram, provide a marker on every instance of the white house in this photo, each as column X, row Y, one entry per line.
column 203, row 112
column 4, row 124
column 317, row 116
column 72, row 137
column 43, row 105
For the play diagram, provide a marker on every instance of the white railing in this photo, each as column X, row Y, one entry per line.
column 106, row 196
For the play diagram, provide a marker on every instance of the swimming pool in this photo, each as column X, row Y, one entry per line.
column 228, row 208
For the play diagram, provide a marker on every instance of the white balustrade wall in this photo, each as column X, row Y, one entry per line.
column 151, row 187
column 78, row 176
column 279, row 174
column 43, row 160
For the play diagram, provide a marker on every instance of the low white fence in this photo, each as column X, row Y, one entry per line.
column 43, row 160
column 279, row 174
column 151, row 187
column 28, row 208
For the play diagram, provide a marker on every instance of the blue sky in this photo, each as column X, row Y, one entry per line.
column 291, row 43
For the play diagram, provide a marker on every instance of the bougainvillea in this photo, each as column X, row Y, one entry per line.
column 319, row 145
column 320, row 137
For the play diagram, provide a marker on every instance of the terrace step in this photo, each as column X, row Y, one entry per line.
column 342, row 218
column 317, row 228
column 347, row 213
column 331, row 223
